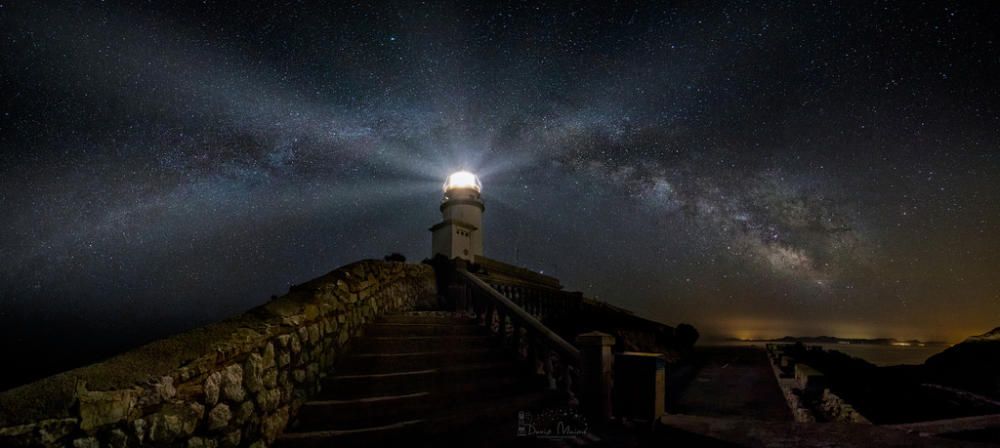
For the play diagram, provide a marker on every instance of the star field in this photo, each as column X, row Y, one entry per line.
column 751, row 168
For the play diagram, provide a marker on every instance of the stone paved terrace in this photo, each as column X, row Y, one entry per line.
column 732, row 382
column 689, row 430
column 733, row 400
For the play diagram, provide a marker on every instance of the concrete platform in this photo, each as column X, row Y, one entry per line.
column 742, row 432
column 733, row 382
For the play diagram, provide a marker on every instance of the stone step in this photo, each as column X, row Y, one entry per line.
column 413, row 376
column 377, row 411
column 420, row 318
column 372, row 437
column 500, row 411
column 406, row 344
column 359, row 413
column 342, row 386
column 502, row 432
column 407, row 329
column 398, row 362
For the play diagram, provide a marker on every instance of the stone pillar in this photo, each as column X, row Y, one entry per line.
column 641, row 383
column 595, row 387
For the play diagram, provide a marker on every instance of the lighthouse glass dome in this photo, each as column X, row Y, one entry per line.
column 463, row 179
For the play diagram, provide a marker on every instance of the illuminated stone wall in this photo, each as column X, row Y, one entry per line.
column 233, row 383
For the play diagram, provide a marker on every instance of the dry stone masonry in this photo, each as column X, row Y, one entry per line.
column 836, row 409
column 231, row 384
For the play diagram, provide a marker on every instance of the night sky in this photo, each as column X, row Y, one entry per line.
column 752, row 168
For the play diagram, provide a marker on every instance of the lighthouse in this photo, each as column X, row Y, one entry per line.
column 460, row 232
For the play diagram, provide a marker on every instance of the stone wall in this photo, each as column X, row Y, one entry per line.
column 783, row 365
column 835, row 409
column 229, row 384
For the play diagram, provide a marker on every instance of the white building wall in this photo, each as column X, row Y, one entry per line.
column 462, row 235
column 441, row 241
column 462, row 243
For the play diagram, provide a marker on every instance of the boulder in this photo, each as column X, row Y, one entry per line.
column 175, row 421
column 232, row 383
column 88, row 442
column 268, row 356
column 231, row 439
column 273, row 424
column 244, row 413
column 253, row 373
column 117, row 439
column 52, row 430
column 219, row 416
column 212, row 385
column 268, row 400
column 199, row 442
column 104, row 408
column 163, row 388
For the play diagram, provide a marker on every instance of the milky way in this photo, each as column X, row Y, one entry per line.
column 752, row 169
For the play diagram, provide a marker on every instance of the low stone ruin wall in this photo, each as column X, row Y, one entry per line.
column 233, row 383
column 835, row 409
column 807, row 393
column 781, row 365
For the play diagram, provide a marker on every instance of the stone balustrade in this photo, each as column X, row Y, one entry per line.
column 548, row 353
column 233, row 383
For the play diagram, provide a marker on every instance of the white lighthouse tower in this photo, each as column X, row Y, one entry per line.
column 460, row 232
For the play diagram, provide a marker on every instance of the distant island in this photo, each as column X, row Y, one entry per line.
column 851, row 341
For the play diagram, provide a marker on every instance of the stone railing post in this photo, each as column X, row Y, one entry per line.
column 595, row 390
column 641, row 383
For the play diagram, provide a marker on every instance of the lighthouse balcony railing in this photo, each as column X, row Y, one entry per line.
column 542, row 349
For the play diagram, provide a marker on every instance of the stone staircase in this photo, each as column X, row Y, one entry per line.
column 428, row 378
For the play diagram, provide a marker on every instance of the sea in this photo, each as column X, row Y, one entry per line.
column 880, row 355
